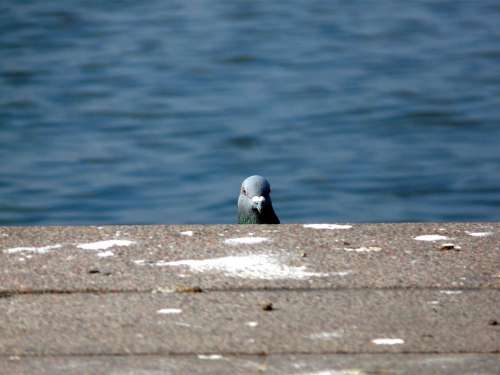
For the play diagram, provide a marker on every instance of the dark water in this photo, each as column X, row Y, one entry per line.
column 153, row 112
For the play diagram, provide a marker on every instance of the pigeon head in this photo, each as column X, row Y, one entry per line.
column 257, row 190
column 254, row 202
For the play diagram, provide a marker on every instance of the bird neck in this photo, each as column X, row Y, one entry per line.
column 249, row 218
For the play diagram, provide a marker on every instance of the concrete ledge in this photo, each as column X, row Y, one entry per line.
column 340, row 364
column 294, row 299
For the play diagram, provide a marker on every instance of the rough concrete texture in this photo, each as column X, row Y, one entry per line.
column 336, row 364
column 234, row 322
column 290, row 299
column 375, row 256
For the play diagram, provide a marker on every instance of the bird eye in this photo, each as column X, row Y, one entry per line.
column 244, row 191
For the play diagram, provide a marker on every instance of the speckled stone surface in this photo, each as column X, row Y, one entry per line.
column 301, row 364
column 346, row 321
column 375, row 256
column 387, row 298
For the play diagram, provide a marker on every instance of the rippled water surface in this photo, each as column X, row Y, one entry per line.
column 153, row 112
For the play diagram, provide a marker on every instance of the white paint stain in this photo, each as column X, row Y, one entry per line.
column 431, row 237
column 328, row 226
column 363, row 249
column 255, row 266
column 182, row 324
column 188, row 233
column 169, row 311
column 246, row 240
column 139, row 262
column 35, row 250
column 433, row 302
column 479, row 234
column 210, row 356
column 326, row 335
column 105, row 254
column 450, row 292
column 252, row 324
column 388, row 341
column 103, row 245
column 340, row 273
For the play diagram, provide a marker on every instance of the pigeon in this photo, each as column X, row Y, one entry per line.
column 254, row 202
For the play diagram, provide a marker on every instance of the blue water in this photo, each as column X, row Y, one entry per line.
column 153, row 112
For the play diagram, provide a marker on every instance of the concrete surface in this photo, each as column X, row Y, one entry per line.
column 365, row 299
column 333, row 364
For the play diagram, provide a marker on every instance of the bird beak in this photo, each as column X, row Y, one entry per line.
column 258, row 203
